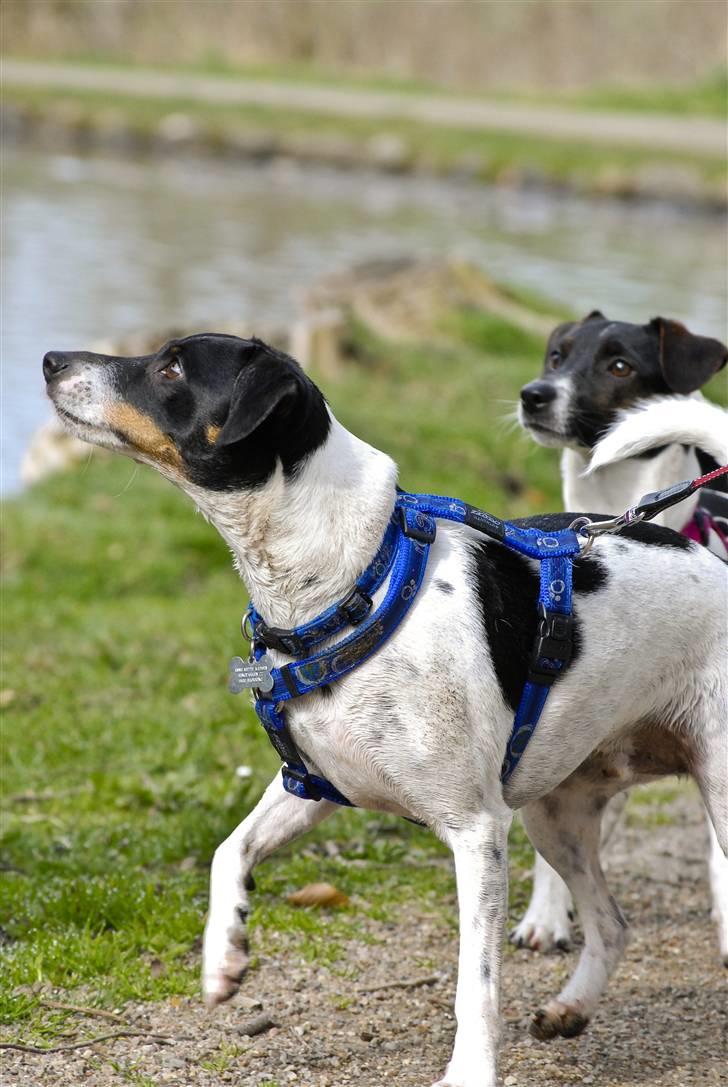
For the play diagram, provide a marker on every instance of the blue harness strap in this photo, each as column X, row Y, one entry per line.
column 347, row 612
column 551, row 654
column 415, row 531
column 403, row 557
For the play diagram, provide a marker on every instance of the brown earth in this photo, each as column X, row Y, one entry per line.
column 663, row 1024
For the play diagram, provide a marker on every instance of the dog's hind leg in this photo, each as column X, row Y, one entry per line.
column 565, row 827
column 481, row 868
column 711, row 773
column 718, row 869
column 546, row 924
column 277, row 819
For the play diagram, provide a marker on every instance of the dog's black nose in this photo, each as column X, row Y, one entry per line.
column 54, row 363
column 536, row 395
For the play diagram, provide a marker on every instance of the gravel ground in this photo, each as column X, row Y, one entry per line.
column 664, row 1023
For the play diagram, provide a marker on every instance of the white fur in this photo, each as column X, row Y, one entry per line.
column 691, row 421
column 610, row 480
column 420, row 729
column 618, row 486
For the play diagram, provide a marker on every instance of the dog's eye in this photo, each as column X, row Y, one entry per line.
column 620, row 368
column 172, row 370
column 554, row 359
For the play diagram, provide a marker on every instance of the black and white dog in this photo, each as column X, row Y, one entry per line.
column 621, row 401
column 420, row 729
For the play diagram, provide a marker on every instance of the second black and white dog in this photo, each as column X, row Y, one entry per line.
column 420, row 728
column 621, row 401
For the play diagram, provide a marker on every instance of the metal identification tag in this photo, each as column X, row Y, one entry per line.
column 245, row 675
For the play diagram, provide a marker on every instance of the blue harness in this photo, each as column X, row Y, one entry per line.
column 403, row 554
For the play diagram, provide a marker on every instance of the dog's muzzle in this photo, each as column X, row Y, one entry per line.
column 55, row 363
column 537, row 396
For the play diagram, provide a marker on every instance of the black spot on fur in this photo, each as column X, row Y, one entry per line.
column 249, row 883
column 485, row 967
column 242, row 914
column 497, row 854
column 507, row 585
column 444, row 586
column 657, row 536
column 326, row 691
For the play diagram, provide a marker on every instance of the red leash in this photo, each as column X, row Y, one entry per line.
column 709, row 477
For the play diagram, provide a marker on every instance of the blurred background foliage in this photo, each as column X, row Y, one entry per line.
column 473, row 45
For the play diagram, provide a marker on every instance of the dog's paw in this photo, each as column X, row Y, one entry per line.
column 551, row 932
column 471, row 1071
column 557, row 1019
column 225, row 961
column 459, row 1081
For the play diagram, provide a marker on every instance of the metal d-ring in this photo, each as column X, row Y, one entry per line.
column 586, row 539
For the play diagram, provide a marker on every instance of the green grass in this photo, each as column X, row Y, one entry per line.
column 705, row 96
column 121, row 611
column 490, row 156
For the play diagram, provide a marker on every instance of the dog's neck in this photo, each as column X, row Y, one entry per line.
column 616, row 487
column 300, row 542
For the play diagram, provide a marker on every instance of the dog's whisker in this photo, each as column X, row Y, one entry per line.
column 128, row 483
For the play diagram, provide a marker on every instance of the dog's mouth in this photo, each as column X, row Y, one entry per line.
column 546, row 435
column 67, row 417
column 540, row 428
column 93, row 432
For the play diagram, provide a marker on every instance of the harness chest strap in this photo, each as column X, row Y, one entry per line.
column 413, row 530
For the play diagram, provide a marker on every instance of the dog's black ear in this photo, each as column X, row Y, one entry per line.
column 595, row 315
column 260, row 388
column 686, row 361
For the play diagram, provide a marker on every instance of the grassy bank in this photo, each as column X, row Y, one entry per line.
column 131, row 123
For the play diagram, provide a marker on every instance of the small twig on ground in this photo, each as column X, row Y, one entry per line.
column 412, row 983
column 164, row 1039
column 83, row 1010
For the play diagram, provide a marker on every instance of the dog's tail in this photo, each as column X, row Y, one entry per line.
column 652, row 423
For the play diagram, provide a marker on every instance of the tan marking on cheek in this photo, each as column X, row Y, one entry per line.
column 143, row 434
column 212, row 433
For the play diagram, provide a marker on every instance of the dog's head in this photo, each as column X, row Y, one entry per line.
column 595, row 367
column 213, row 410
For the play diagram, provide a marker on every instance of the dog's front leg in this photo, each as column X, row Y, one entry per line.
column 481, row 868
column 277, row 818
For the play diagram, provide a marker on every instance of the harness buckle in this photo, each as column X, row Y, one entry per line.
column 285, row 641
column 356, row 606
column 552, row 647
column 303, row 778
column 417, row 525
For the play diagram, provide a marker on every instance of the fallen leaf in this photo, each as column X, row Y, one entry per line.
column 318, row 894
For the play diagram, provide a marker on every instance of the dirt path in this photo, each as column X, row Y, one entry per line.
column 695, row 135
column 663, row 1025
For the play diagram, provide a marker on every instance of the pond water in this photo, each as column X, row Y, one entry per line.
column 95, row 247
